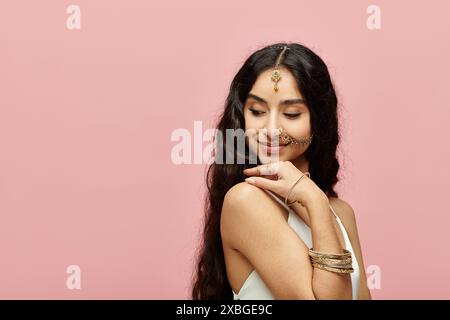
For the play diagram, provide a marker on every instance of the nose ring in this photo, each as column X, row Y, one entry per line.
column 287, row 139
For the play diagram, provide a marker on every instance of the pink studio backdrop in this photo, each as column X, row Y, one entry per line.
column 86, row 117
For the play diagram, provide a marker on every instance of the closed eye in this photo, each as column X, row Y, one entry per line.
column 292, row 115
column 256, row 112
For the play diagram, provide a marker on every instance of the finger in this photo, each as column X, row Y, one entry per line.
column 251, row 171
column 264, row 169
column 263, row 183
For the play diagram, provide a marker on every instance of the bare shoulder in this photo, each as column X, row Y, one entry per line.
column 243, row 206
column 254, row 224
column 345, row 212
column 242, row 191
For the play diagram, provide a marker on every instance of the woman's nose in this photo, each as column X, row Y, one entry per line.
column 272, row 130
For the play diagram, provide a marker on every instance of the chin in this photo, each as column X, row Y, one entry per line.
column 263, row 158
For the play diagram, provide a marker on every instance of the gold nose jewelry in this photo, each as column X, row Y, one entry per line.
column 276, row 74
column 287, row 139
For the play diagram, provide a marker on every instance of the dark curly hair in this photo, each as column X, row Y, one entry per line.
column 313, row 79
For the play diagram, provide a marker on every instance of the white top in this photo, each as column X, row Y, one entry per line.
column 255, row 289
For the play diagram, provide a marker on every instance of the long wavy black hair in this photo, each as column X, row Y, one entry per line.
column 311, row 73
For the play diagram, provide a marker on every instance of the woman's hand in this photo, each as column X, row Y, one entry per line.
column 304, row 192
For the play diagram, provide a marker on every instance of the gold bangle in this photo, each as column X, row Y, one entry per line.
column 292, row 188
column 333, row 269
column 328, row 261
column 332, row 265
column 340, row 256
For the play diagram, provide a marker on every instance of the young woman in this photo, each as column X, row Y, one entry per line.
column 276, row 229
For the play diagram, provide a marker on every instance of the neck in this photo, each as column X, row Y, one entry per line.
column 301, row 164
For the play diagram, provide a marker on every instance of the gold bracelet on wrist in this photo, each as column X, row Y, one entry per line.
column 286, row 202
column 345, row 254
column 333, row 269
column 334, row 262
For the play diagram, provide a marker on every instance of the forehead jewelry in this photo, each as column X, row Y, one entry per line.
column 287, row 139
column 276, row 74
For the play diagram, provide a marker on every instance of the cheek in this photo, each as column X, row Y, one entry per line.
column 250, row 131
column 300, row 128
column 251, row 123
column 247, row 120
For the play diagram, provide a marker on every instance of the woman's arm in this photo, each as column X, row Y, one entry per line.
column 252, row 223
column 347, row 216
column 326, row 284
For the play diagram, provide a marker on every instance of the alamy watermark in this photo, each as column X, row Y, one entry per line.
column 73, row 281
column 73, row 21
column 235, row 147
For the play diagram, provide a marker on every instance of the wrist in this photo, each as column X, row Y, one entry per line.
column 315, row 198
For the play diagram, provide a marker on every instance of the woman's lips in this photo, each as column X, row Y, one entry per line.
column 272, row 148
column 266, row 143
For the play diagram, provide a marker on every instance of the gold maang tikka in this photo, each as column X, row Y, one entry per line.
column 276, row 74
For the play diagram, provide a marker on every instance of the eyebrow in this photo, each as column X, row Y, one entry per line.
column 282, row 102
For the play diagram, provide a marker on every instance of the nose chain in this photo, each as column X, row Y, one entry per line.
column 287, row 139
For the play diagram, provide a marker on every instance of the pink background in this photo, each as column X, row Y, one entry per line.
column 86, row 117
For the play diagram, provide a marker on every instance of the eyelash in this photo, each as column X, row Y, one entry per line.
column 258, row 113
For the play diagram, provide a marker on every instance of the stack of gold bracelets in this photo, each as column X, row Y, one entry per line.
column 335, row 262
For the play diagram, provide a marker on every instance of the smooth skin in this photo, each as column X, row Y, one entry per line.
column 254, row 229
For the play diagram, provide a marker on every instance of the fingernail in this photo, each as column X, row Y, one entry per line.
column 250, row 180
